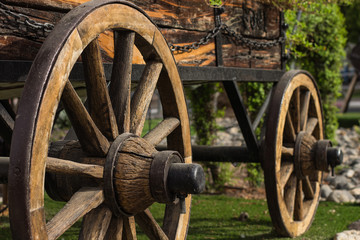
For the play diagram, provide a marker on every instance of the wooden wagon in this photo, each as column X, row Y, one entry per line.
column 115, row 53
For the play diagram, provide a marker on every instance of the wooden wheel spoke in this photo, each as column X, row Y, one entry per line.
column 129, row 232
column 295, row 110
column 115, row 230
column 95, row 224
column 149, row 225
column 142, row 96
column 120, row 86
column 299, row 210
column 307, row 188
column 57, row 165
column 289, row 194
column 311, row 125
column 91, row 139
column 287, row 153
column 305, row 103
column 162, row 130
column 82, row 202
column 100, row 107
column 289, row 130
column 287, row 168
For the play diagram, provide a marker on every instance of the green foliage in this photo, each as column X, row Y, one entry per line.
column 351, row 12
column 299, row 4
column 204, row 114
column 255, row 175
column 215, row 3
column 318, row 47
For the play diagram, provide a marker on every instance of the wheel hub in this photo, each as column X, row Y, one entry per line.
column 136, row 175
column 311, row 155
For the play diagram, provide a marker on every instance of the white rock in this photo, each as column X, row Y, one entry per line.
column 234, row 130
column 348, row 235
column 341, row 196
column 339, row 182
column 355, row 192
column 349, row 173
column 325, row 191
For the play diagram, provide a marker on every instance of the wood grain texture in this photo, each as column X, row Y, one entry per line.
column 90, row 137
column 142, row 96
column 100, row 107
column 304, row 111
column 289, row 130
column 115, row 230
column 286, row 170
column 289, row 195
column 131, row 175
column 149, row 225
column 311, row 125
column 120, row 85
column 57, row 165
column 298, row 210
column 96, row 223
column 162, row 130
column 81, row 203
column 129, row 232
column 182, row 23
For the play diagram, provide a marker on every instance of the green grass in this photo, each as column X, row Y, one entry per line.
column 216, row 217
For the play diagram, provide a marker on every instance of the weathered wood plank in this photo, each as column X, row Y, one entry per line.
column 142, row 96
column 120, row 85
column 250, row 17
column 95, row 224
column 182, row 22
column 90, row 137
column 81, row 203
column 149, row 225
column 100, row 107
column 73, row 168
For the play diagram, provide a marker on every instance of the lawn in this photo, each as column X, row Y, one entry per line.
column 216, row 217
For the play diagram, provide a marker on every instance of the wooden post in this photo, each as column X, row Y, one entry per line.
column 349, row 93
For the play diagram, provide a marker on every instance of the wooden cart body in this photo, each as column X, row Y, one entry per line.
column 181, row 22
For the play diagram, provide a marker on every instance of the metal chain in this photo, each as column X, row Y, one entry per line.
column 223, row 28
column 25, row 25
column 22, row 23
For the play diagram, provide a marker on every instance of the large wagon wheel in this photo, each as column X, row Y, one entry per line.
column 294, row 153
column 124, row 174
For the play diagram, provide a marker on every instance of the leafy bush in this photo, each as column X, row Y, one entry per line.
column 351, row 12
column 318, row 47
column 204, row 114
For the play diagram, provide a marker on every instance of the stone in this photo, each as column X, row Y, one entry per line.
column 339, row 182
column 325, row 191
column 355, row 226
column 356, row 167
column 349, row 186
column 355, row 192
column 348, row 235
column 234, row 130
column 349, row 173
column 341, row 196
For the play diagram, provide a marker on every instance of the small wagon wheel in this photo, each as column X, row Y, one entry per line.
column 123, row 172
column 292, row 146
